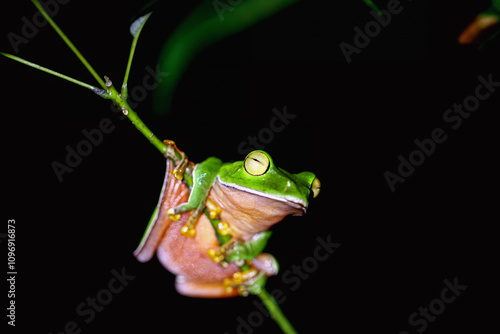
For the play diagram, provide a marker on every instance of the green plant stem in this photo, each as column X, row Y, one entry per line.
column 275, row 312
column 138, row 123
column 57, row 74
column 111, row 92
column 268, row 300
column 124, row 89
column 69, row 43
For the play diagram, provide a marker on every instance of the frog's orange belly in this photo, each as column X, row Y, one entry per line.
column 197, row 274
column 188, row 257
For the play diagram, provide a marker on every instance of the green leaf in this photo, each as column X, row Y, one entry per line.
column 208, row 23
column 496, row 4
column 136, row 26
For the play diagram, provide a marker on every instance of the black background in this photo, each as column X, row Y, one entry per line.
column 352, row 122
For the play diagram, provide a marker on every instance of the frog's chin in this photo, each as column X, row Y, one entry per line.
column 294, row 202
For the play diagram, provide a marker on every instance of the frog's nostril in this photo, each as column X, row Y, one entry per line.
column 315, row 187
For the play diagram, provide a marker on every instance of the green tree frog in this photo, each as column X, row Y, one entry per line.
column 213, row 220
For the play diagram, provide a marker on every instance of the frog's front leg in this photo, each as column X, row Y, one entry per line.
column 204, row 176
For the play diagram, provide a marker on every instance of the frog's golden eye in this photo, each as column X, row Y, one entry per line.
column 315, row 187
column 256, row 163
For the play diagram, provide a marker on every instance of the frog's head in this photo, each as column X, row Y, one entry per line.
column 258, row 175
column 259, row 194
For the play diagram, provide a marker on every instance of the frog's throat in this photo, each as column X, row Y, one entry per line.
column 294, row 202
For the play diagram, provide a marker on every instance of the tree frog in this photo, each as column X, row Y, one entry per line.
column 237, row 202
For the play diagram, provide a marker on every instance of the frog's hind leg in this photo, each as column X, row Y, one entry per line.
column 203, row 289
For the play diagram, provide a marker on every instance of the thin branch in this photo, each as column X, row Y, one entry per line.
column 96, row 90
column 136, row 31
column 69, row 43
column 275, row 312
column 139, row 124
column 111, row 92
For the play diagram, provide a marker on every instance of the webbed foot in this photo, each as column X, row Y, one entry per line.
column 246, row 282
column 188, row 230
column 180, row 167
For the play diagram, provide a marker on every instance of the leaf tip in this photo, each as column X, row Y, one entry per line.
column 138, row 23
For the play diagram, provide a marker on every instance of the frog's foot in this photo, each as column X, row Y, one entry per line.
column 181, row 165
column 238, row 252
column 246, row 282
column 188, row 230
column 213, row 210
column 203, row 289
column 218, row 255
column 180, row 168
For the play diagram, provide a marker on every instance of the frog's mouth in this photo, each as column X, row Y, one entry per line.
column 294, row 202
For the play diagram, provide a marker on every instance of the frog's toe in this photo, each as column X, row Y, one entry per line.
column 247, row 282
column 173, row 215
column 188, row 231
column 215, row 255
column 213, row 210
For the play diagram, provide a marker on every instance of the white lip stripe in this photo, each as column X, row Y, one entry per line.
column 293, row 200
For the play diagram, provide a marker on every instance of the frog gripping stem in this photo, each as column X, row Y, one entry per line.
column 233, row 268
